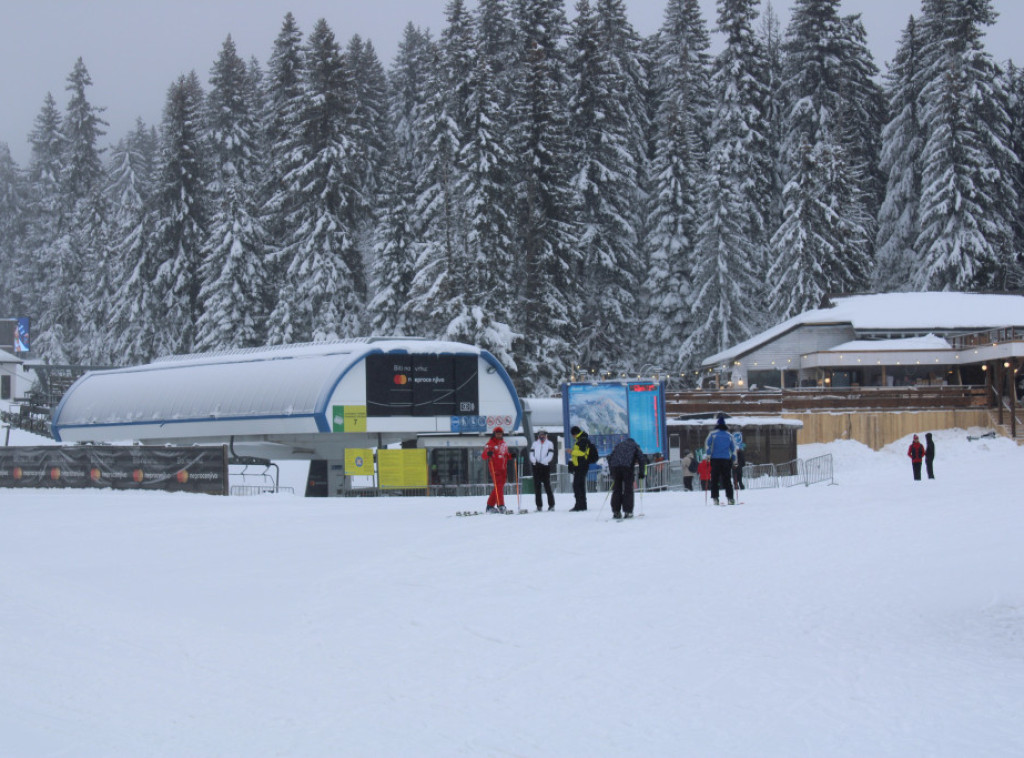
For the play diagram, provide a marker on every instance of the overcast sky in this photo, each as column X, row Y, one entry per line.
column 134, row 49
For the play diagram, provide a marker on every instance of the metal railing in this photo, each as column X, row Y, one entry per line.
column 663, row 476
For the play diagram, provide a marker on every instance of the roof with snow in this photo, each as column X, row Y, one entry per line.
column 384, row 388
column 6, row 357
column 897, row 312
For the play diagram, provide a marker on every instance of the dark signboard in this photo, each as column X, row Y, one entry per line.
column 183, row 469
column 422, row 385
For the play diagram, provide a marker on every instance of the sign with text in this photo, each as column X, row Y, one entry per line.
column 184, row 469
column 348, row 418
column 401, row 469
column 404, row 384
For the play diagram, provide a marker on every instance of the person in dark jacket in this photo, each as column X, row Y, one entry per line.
column 929, row 454
column 916, row 454
column 741, row 461
column 721, row 449
column 578, row 467
column 623, row 458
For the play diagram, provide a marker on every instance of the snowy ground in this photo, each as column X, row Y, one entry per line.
column 879, row 617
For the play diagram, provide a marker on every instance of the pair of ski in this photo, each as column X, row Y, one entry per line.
column 505, row 512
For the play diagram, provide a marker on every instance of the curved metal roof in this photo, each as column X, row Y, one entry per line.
column 233, row 392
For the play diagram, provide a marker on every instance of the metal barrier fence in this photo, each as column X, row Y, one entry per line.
column 663, row 476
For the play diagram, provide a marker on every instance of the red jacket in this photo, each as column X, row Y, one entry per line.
column 704, row 470
column 916, row 452
column 498, row 453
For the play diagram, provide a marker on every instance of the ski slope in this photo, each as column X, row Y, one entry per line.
column 878, row 617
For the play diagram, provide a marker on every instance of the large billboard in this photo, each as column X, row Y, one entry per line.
column 609, row 412
column 407, row 384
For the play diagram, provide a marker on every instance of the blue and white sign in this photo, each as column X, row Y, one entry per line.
column 469, row 424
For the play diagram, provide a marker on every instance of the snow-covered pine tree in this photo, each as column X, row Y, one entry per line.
column 732, row 240
column 822, row 244
column 967, row 193
column 396, row 235
column 232, row 269
column 681, row 121
column 132, row 180
column 1014, row 87
column 902, row 141
column 606, row 121
column 182, row 219
column 324, row 288
column 13, row 225
column 482, row 313
column 76, row 299
column 862, row 116
column 444, row 273
column 367, row 123
column 552, row 307
column 818, row 248
column 769, row 35
column 280, row 121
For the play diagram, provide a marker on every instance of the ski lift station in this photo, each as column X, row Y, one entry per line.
column 306, row 402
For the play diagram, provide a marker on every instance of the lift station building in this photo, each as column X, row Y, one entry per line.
column 306, row 402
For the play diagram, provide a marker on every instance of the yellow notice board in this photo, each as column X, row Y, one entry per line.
column 402, row 468
column 358, row 461
column 348, row 418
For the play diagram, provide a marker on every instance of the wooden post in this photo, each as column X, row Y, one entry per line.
column 1012, row 376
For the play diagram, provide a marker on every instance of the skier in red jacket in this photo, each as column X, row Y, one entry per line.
column 497, row 455
column 916, row 454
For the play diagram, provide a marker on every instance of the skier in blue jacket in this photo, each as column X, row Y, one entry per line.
column 721, row 449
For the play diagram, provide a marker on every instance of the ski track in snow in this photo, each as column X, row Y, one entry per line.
column 877, row 617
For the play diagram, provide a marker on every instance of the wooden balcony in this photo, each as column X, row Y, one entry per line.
column 916, row 398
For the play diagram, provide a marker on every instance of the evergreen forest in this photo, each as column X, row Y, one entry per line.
column 553, row 187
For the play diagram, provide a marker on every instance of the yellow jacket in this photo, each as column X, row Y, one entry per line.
column 579, row 453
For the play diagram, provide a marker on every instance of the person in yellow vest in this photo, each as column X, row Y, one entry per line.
column 578, row 466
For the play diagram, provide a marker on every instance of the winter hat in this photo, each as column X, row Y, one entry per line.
column 574, row 431
column 542, row 432
column 721, row 421
column 915, row 438
column 498, row 429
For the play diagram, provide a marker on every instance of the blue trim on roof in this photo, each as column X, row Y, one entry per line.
column 491, row 360
column 200, row 420
column 320, row 407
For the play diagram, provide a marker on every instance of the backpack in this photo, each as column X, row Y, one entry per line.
column 693, row 466
column 592, row 454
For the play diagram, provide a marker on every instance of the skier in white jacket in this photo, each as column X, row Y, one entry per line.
column 541, row 454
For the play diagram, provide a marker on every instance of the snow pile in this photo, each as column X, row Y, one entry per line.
column 880, row 617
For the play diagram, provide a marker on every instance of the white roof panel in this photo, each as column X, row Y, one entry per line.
column 289, row 385
column 895, row 312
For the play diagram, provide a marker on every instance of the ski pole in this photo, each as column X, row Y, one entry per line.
column 515, row 470
column 494, row 484
column 643, row 486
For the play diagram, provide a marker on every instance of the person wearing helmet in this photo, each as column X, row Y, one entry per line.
column 496, row 455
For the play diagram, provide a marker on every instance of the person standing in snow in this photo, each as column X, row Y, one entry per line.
column 541, row 454
column 689, row 469
column 929, row 454
column 579, row 464
column 623, row 457
column 916, row 454
column 704, row 473
column 721, row 449
column 741, row 461
column 496, row 454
